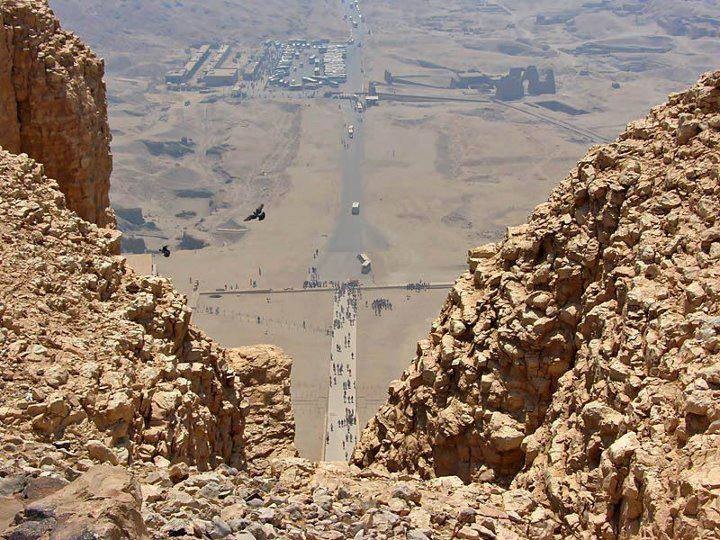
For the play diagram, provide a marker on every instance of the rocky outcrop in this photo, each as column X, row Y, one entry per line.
column 107, row 359
column 578, row 358
column 104, row 502
column 52, row 105
column 264, row 372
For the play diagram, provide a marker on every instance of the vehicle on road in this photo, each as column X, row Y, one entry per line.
column 365, row 263
column 351, row 131
column 355, row 208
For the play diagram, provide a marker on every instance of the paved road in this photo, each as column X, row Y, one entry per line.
column 341, row 417
column 352, row 235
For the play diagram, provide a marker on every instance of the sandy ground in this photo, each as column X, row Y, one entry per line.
column 464, row 189
column 233, row 321
column 297, row 222
column 435, row 178
column 385, row 344
column 408, row 37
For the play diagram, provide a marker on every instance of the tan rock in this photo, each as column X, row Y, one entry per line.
column 99, row 452
column 623, row 448
column 264, row 373
column 504, row 432
column 55, row 110
column 178, row 472
column 102, row 503
column 468, row 533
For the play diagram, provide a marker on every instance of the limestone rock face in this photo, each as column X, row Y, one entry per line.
column 92, row 352
column 264, row 371
column 569, row 388
column 52, row 105
column 578, row 358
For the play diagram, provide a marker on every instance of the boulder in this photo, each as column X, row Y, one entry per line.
column 104, row 502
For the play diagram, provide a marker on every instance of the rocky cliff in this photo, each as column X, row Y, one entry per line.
column 53, row 107
column 92, row 352
column 569, row 387
column 264, row 372
column 578, row 357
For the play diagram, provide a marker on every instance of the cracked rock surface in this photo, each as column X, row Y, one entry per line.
column 578, row 358
column 53, row 106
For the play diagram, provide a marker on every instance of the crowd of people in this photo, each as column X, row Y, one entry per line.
column 317, row 284
column 380, row 304
column 418, row 286
column 341, row 430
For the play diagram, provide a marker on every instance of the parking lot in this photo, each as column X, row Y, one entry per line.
column 307, row 65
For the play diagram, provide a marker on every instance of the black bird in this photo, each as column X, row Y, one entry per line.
column 165, row 251
column 258, row 214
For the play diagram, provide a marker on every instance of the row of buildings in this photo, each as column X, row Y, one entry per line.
column 297, row 64
column 216, row 73
column 190, row 69
column 219, row 75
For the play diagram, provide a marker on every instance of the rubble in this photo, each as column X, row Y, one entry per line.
column 102, row 503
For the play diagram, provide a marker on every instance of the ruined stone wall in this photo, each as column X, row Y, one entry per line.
column 52, row 105
column 578, row 357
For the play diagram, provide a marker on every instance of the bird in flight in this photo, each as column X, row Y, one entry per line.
column 258, row 214
column 165, row 251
